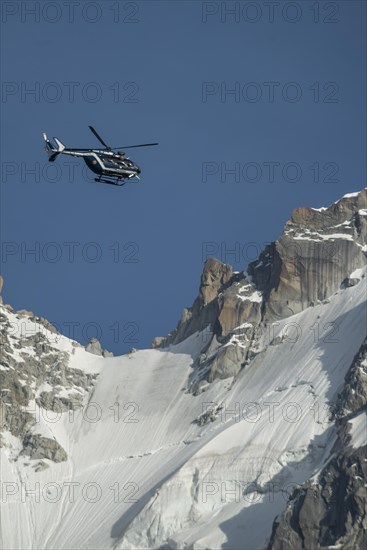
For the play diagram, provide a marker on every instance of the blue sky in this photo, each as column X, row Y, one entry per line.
column 253, row 120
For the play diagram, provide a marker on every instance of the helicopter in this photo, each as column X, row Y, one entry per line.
column 112, row 167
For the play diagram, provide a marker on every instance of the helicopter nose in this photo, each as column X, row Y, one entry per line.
column 137, row 169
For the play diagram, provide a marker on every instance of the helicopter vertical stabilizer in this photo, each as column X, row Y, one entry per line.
column 60, row 145
column 52, row 149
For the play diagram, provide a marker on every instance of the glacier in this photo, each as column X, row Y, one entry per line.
column 128, row 457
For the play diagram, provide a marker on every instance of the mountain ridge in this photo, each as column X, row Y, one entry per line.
column 247, row 417
column 303, row 267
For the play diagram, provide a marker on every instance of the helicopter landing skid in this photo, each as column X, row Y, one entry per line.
column 116, row 181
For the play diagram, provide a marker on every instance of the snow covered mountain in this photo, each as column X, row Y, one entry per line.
column 245, row 428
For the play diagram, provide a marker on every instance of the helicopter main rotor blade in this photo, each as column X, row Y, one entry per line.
column 131, row 146
column 98, row 137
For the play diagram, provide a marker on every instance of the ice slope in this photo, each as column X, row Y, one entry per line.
column 217, row 484
column 276, row 442
column 359, row 430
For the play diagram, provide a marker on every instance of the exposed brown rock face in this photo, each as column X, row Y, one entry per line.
column 227, row 362
column 225, row 301
column 316, row 252
column 238, row 304
column 205, row 309
column 215, row 275
column 315, row 255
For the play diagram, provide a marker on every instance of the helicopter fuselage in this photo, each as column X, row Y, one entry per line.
column 106, row 163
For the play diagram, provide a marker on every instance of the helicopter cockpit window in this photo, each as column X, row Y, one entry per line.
column 127, row 163
column 109, row 163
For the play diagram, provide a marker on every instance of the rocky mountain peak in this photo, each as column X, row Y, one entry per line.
column 215, row 274
column 336, row 216
column 318, row 251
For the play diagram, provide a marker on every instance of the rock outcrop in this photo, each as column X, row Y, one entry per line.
column 35, row 372
column 331, row 511
column 317, row 251
column 330, row 514
column 315, row 256
column 94, row 346
column 216, row 277
column 37, row 447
